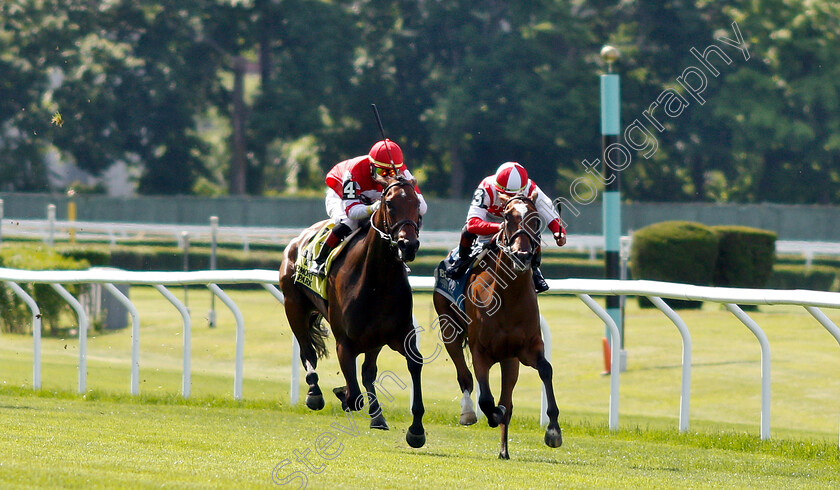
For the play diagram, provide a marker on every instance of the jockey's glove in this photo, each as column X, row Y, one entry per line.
column 373, row 207
column 560, row 237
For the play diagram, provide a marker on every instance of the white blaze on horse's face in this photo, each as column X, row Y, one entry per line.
column 519, row 237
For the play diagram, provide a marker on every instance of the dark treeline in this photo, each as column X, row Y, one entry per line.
column 722, row 101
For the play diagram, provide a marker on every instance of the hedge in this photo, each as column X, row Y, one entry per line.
column 674, row 251
column 745, row 256
column 815, row 277
column 15, row 315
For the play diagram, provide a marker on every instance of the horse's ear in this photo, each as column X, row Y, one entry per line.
column 503, row 199
column 533, row 195
column 380, row 179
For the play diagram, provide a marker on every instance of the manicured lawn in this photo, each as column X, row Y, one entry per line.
column 55, row 437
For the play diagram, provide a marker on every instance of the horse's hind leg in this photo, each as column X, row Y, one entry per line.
column 510, row 374
column 377, row 420
column 301, row 320
column 350, row 394
column 453, row 332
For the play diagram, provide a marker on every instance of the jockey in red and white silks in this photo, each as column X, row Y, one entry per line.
column 353, row 193
column 484, row 218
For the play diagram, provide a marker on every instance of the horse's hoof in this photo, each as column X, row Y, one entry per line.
column 468, row 418
column 378, row 422
column 315, row 402
column 504, row 455
column 495, row 418
column 553, row 438
column 340, row 393
column 415, row 440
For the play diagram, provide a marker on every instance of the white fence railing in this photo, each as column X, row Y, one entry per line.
column 50, row 230
column 812, row 301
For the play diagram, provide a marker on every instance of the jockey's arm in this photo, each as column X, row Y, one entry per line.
column 547, row 212
column 478, row 216
column 357, row 210
column 478, row 226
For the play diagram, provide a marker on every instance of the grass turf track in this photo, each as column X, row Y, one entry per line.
column 56, row 438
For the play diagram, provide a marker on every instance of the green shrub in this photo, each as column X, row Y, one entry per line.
column 93, row 255
column 745, row 256
column 674, row 251
column 15, row 315
column 816, row 277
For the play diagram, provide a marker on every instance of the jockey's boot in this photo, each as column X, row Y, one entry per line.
column 540, row 285
column 459, row 267
column 337, row 234
column 539, row 281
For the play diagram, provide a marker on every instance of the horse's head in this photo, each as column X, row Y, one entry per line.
column 519, row 236
column 398, row 217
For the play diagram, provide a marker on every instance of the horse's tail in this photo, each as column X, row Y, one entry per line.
column 317, row 333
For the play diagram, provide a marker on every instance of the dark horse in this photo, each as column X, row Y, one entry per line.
column 369, row 305
column 501, row 322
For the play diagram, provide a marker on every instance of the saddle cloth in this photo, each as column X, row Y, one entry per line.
column 453, row 289
column 306, row 257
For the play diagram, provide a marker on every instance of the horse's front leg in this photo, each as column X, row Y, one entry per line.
column 553, row 434
column 481, row 365
column 377, row 420
column 416, row 434
column 350, row 394
column 510, row 374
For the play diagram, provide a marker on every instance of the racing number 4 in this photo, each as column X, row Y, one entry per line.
column 349, row 189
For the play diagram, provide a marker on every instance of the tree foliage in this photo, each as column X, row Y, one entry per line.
column 462, row 86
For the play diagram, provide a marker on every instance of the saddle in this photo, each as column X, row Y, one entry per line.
column 306, row 257
column 453, row 289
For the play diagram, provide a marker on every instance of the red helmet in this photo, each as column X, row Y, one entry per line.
column 511, row 178
column 381, row 155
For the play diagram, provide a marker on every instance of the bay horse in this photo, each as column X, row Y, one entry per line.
column 368, row 306
column 500, row 322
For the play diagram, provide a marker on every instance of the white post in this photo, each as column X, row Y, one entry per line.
column 135, row 336
column 51, row 220
column 240, row 338
column 614, row 355
column 685, row 393
column 185, row 315
column 765, row 366
column 36, row 332
column 83, row 326
column 214, row 230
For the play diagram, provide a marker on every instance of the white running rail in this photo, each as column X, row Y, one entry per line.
column 812, row 301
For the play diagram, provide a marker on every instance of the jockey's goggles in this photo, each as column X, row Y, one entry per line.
column 384, row 172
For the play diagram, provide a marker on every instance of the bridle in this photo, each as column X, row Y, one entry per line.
column 504, row 242
column 393, row 229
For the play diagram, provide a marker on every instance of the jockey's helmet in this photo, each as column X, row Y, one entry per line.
column 511, row 178
column 383, row 153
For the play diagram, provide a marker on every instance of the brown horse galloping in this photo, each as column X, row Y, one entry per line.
column 501, row 323
column 369, row 305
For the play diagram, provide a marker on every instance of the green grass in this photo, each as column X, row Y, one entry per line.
column 55, row 437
